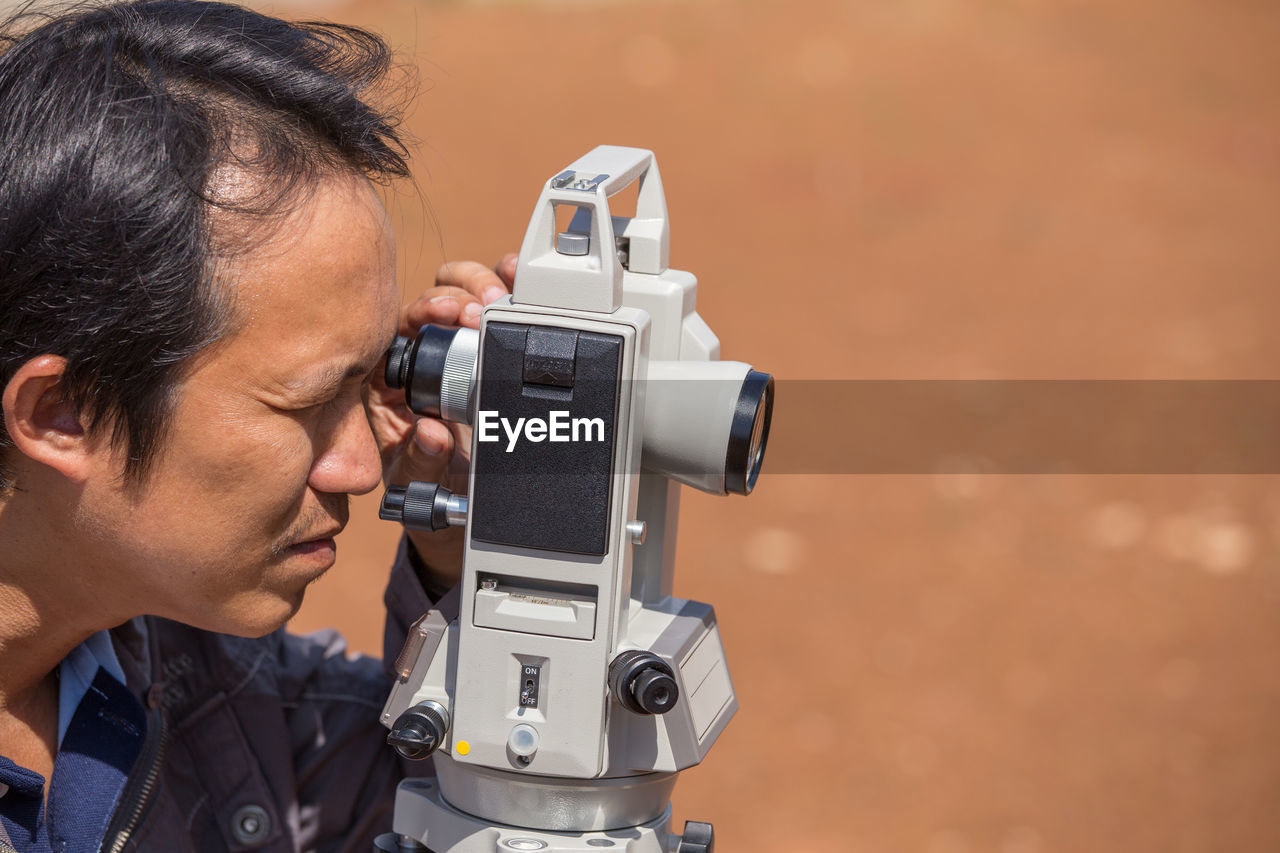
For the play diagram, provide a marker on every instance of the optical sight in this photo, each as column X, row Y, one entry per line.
column 573, row 687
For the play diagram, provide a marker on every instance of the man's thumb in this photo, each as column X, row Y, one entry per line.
column 429, row 451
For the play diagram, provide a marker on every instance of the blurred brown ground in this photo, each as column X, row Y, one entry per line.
column 888, row 189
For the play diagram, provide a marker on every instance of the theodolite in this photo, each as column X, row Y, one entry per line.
column 561, row 704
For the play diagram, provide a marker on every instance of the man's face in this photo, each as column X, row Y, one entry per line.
column 269, row 434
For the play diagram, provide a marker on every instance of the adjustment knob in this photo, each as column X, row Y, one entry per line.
column 698, row 837
column 419, row 505
column 655, row 691
column 643, row 683
column 420, row 730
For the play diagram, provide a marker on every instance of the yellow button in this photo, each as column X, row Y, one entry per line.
column 462, row 747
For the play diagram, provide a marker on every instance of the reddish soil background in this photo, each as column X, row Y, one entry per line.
column 924, row 189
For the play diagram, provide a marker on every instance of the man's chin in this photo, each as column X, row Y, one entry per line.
column 253, row 616
column 274, row 599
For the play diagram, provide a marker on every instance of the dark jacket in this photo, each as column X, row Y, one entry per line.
column 269, row 744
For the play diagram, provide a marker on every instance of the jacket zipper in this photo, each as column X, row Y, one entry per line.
column 140, row 795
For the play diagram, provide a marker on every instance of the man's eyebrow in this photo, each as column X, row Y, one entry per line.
column 331, row 376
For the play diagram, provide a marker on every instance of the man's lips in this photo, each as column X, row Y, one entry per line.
column 314, row 546
column 323, row 539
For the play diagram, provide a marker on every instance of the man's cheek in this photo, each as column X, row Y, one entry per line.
column 259, row 453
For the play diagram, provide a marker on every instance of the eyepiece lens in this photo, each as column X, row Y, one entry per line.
column 397, row 369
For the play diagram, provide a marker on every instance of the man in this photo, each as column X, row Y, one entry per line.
column 197, row 284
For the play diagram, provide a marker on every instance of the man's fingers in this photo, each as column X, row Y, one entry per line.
column 462, row 290
column 433, row 438
column 506, row 269
column 474, row 278
column 445, row 306
column 427, row 454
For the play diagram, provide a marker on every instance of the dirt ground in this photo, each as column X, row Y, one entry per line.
column 947, row 661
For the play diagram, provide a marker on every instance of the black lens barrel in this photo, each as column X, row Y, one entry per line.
column 742, row 460
column 417, row 366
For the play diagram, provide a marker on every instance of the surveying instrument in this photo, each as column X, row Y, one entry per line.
column 573, row 688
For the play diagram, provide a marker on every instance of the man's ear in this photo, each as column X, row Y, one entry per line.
column 40, row 421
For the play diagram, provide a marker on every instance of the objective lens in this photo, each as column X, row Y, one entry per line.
column 755, row 455
column 749, row 433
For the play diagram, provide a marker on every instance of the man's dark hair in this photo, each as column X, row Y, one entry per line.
column 112, row 120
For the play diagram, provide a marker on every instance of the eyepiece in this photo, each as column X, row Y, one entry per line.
column 436, row 369
column 397, row 369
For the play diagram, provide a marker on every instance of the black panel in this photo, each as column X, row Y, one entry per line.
column 549, row 495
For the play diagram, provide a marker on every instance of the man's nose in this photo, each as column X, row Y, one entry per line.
column 349, row 463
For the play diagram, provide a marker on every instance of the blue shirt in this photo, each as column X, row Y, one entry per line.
column 101, row 727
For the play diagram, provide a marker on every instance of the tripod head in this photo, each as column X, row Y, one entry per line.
column 573, row 687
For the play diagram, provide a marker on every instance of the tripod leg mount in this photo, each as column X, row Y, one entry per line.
column 443, row 829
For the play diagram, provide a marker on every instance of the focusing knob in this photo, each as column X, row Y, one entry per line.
column 643, row 683
column 419, row 731
column 418, row 506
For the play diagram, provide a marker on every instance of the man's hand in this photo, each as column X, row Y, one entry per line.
column 415, row 448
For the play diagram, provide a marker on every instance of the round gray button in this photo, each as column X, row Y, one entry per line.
column 250, row 824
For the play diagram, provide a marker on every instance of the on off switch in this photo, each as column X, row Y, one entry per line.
column 530, row 685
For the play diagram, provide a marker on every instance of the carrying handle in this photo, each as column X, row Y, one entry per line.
column 610, row 169
column 581, row 269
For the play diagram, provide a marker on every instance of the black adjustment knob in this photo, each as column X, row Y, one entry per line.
column 643, row 683
column 419, row 731
column 698, row 837
column 655, row 691
column 419, row 505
